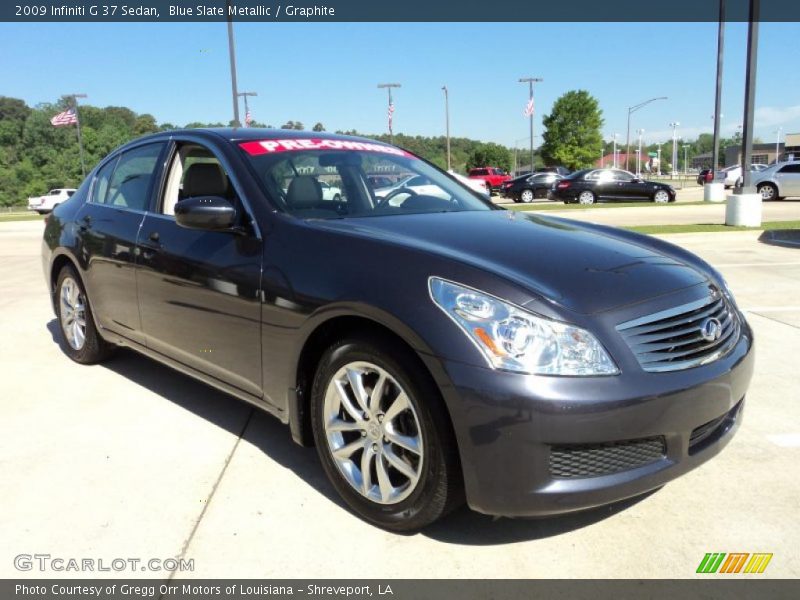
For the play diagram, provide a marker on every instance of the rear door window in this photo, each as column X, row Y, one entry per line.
column 130, row 184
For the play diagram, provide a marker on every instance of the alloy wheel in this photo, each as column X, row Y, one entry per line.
column 73, row 313
column 527, row 196
column 586, row 197
column 661, row 196
column 373, row 433
column 767, row 192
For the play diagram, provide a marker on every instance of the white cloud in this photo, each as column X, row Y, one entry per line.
column 771, row 116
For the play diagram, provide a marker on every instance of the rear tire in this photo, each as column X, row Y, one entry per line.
column 82, row 342
column 587, row 197
column 407, row 486
column 526, row 196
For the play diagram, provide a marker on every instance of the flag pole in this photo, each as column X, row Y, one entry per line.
column 78, row 129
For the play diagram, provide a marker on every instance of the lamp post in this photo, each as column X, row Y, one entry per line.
column 389, row 87
column 447, row 122
column 232, row 57
column 778, row 145
column 685, row 160
column 718, row 90
column 616, row 135
column 639, row 154
column 659, row 160
column 74, row 98
column 246, row 108
column 674, row 126
column 631, row 110
column 530, row 81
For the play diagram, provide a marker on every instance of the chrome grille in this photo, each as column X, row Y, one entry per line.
column 673, row 339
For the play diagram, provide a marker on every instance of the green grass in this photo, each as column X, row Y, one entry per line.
column 20, row 216
column 538, row 207
column 710, row 228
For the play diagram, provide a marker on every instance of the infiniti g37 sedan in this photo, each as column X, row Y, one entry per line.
column 435, row 348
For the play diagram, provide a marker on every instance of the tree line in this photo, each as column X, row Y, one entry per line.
column 35, row 156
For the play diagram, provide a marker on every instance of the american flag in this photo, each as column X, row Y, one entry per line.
column 68, row 117
column 391, row 114
column 248, row 118
column 528, row 108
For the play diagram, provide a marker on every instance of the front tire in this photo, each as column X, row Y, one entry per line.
column 82, row 342
column 768, row 192
column 661, row 197
column 383, row 435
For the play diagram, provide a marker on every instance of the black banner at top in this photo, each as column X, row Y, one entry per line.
column 391, row 11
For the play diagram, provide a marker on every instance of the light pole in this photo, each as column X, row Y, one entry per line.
column 659, row 160
column 674, row 126
column 631, row 110
column 530, row 81
column 778, row 145
column 74, row 98
column 389, row 87
column 246, row 108
column 718, row 93
column 686, row 160
column 616, row 135
column 447, row 122
column 232, row 56
column 639, row 154
column 750, row 96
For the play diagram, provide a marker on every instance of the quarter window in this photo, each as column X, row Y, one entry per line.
column 100, row 188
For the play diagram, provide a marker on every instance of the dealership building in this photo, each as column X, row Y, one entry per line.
column 763, row 154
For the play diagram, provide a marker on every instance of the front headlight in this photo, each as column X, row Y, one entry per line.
column 516, row 340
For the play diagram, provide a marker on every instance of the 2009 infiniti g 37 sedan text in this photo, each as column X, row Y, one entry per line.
column 434, row 347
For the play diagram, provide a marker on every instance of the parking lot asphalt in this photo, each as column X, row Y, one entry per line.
column 131, row 459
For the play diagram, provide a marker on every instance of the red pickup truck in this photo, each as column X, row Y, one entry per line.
column 493, row 176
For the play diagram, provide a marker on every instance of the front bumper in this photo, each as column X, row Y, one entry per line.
column 515, row 431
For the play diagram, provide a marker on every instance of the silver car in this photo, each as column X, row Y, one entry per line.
column 778, row 181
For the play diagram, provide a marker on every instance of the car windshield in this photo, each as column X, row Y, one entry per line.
column 331, row 178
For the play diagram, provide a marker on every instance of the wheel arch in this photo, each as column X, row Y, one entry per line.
column 58, row 262
column 337, row 327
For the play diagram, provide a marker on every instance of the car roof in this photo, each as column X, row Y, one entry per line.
column 242, row 134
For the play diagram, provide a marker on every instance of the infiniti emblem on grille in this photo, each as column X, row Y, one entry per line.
column 711, row 329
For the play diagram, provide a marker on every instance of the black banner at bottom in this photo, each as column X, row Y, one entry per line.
column 397, row 589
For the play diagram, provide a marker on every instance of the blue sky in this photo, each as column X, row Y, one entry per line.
column 328, row 72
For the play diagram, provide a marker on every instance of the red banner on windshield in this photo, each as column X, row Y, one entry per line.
column 300, row 145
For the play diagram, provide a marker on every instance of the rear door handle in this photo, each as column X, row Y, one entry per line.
column 154, row 236
column 87, row 221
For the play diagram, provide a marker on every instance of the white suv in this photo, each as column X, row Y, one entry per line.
column 46, row 203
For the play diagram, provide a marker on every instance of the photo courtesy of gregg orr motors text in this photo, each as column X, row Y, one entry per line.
column 46, row 563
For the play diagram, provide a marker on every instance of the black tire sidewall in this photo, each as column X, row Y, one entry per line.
column 94, row 347
column 428, row 501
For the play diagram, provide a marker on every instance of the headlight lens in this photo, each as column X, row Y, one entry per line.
column 515, row 340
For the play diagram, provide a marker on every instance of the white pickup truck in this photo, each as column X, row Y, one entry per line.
column 44, row 204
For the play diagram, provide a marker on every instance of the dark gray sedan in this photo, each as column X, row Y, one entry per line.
column 434, row 347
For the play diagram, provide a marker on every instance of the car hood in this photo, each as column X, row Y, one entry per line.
column 560, row 260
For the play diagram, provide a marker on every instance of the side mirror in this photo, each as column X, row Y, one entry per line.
column 212, row 213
